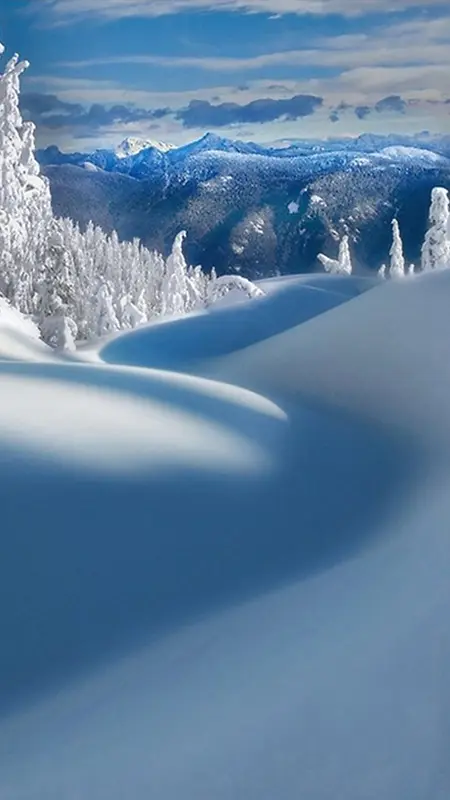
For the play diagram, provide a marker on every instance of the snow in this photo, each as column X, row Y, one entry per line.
column 233, row 583
column 90, row 167
column 133, row 145
column 221, row 331
column 217, row 184
column 316, row 200
column 361, row 161
column 397, row 265
column 414, row 400
column 100, row 428
column 224, row 536
column 13, row 319
column 293, row 207
column 411, row 153
column 343, row 264
column 257, row 224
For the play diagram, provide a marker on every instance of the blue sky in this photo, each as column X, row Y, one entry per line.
column 253, row 69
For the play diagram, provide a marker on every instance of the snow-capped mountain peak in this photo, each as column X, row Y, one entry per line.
column 414, row 153
column 133, row 145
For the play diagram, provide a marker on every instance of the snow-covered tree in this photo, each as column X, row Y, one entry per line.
column 59, row 330
column 174, row 290
column 343, row 264
column 33, row 270
column 25, row 202
column 74, row 284
column 436, row 247
column 220, row 287
column 397, row 265
column 106, row 318
column 199, row 282
column 382, row 271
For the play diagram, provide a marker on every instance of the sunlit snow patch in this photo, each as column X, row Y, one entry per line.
column 103, row 419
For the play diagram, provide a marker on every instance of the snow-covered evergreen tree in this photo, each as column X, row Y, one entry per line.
column 79, row 285
column 343, row 264
column 25, row 202
column 436, row 247
column 397, row 265
column 174, row 290
column 105, row 314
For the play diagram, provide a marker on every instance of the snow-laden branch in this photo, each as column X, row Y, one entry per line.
column 221, row 286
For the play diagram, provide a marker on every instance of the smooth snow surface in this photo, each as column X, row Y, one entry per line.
column 181, row 344
column 15, row 321
column 232, row 584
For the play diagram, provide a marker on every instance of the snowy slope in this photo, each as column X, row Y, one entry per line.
column 182, row 343
column 233, row 589
column 412, row 329
column 11, row 318
column 412, row 154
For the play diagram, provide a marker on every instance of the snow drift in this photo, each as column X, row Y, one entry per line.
column 235, row 585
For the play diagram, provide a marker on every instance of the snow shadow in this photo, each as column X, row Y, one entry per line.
column 92, row 563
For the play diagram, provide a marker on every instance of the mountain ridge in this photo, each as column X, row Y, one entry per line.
column 254, row 211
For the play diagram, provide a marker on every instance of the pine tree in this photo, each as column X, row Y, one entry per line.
column 343, row 264
column 106, row 319
column 174, row 289
column 25, row 202
column 436, row 247
column 74, row 284
column 397, row 266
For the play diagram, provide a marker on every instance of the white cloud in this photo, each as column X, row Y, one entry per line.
column 356, row 85
column 402, row 57
column 410, row 59
column 65, row 10
column 363, row 52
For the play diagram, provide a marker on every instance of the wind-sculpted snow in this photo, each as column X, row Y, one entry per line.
column 166, row 492
column 182, row 343
column 400, row 332
column 232, row 585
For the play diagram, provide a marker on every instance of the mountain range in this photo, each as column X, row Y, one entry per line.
column 252, row 209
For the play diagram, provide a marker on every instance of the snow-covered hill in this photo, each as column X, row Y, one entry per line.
column 230, row 581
